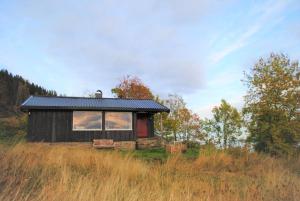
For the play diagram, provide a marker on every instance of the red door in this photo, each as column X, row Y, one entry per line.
column 141, row 126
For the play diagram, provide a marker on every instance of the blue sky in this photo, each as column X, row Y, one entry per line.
column 197, row 49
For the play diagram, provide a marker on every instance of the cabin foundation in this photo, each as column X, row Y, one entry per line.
column 149, row 143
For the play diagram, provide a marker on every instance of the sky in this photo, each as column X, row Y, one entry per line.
column 198, row 49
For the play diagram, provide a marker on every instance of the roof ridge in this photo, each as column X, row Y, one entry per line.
column 78, row 97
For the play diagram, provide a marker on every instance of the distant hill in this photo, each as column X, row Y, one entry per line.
column 14, row 89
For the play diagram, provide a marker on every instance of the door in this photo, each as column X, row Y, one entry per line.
column 142, row 125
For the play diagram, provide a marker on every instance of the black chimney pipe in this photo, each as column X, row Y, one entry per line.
column 98, row 94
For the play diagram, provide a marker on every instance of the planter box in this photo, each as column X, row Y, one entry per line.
column 176, row 148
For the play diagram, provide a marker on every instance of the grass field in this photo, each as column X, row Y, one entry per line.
column 58, row 172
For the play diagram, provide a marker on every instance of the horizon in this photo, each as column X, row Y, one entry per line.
column 196, row 49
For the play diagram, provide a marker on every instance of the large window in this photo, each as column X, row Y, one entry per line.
column 87, row 120
column 118, row 121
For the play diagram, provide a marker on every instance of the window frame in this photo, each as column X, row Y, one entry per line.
column 87, row 129
column 118, row 129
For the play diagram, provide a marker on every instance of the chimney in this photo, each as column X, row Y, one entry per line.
column 98, row 94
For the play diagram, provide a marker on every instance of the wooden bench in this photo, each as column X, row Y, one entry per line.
column 103, row 143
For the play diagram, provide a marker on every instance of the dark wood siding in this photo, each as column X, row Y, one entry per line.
column 151, row 125
column 56, row 126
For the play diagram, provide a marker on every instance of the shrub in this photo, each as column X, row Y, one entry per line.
column 13, row 129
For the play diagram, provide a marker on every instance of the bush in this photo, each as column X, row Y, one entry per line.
column 13, row 129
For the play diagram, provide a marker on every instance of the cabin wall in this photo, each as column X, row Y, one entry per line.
column 56, row 126
column 150, row 125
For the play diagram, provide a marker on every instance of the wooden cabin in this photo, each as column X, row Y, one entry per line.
column 80, row 119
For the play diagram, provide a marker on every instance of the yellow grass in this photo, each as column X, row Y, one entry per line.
column 62, row 173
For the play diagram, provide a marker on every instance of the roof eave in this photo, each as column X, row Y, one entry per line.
column 27, row 108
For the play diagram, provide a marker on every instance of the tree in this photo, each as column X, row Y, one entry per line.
column 225, row 125
column 206, row 129
column 132, row 87
column 175, row 104
column 270, row 107
column 189, row 125
column 161, row 121
column 180, row 124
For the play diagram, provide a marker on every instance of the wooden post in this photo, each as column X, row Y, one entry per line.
column 103, row 134
column 53, row 136
column 134, row 125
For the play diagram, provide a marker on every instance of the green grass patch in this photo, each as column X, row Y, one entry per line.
column 150, row 155
column 159, row 154
column 191, row 153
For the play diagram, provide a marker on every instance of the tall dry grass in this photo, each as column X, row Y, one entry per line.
column 48, row 172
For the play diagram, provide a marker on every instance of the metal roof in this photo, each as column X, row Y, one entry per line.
column 81, row 103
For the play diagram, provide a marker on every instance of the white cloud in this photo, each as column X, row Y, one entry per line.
column 225, row 78
column 266, row 13
column 99, row 42
column 206, row 111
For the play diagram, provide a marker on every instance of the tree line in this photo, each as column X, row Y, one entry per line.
column 269, row 121
column 14, row 89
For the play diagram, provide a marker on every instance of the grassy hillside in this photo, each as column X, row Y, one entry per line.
column 56, row 172
column 13, row 129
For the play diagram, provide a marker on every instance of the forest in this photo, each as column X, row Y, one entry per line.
column 14, row 89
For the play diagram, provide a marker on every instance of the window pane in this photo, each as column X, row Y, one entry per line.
column 87, row 120
column 118, row 121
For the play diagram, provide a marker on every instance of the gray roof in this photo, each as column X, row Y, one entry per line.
column 81, row 103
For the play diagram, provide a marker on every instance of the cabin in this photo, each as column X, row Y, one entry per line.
column 81, row 119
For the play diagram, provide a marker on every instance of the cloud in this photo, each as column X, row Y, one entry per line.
column 190, row 10
column 206, row 111
column 98, row 42
column 225, row 78
column 266, row 12
column 239, row 43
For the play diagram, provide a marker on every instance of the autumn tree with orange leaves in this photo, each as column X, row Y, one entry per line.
column 132, row 87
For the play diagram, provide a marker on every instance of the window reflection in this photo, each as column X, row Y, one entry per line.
column 118, row 121
column 87, row 120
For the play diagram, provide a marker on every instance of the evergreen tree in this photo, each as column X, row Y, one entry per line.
column 14, row 89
